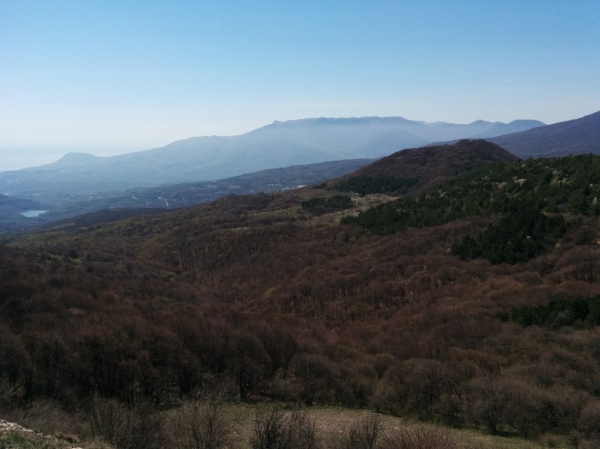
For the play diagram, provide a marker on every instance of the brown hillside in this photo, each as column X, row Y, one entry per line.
column 258, row 298
column 433, row 165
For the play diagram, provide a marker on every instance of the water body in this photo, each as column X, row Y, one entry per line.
column 33, row 213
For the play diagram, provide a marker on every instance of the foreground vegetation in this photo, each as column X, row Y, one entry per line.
column 214, row 424
column 264, row 299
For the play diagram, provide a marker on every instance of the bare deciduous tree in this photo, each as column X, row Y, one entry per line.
column 276, row 429
column 202, row 425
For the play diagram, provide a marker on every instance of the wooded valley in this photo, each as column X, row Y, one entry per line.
column 467, row 297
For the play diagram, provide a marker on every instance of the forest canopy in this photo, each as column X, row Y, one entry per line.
column 394, row 309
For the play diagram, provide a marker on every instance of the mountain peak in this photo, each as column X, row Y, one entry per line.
column 341, row 120
column 532, row 123
column 76, row 158
column 76, row 155
column 67, row 161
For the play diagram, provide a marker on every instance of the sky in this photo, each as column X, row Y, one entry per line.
column 109, row 77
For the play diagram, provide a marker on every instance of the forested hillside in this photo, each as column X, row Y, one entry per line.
column 465, row 304
column 538, row 201
column 419, row 169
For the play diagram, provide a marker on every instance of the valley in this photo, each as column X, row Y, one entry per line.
column 299, row 225
column 105, row 206
column 82, row 184
column 466, row 297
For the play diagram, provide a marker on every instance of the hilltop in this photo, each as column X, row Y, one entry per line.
column 423, row 167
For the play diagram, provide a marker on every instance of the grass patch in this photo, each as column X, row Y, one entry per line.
column 331, row 422
column 18, row 441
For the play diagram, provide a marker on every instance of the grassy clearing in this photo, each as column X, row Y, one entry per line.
column 480, row 440
column 26, row 440
column 18, row 441
column 332, row 421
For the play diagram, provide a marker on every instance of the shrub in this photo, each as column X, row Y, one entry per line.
column 274, row 429
column 124, row 427
column 421, row 437
column 202, row 425
column 323, row 205
column 365, row 185
column 365, row 434
column 589, row 420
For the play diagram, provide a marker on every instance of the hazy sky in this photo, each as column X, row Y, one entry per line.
column 109, row 77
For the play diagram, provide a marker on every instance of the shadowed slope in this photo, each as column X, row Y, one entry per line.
column 571, row 137
column 430, row 166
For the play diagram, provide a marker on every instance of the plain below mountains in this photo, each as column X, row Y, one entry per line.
column 279, row 144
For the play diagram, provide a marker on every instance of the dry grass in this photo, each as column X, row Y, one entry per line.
column 26, row 440
column 47, row 418
column 332, row 422
column 423, row 437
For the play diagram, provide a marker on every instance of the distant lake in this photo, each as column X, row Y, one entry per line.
column 33, row 213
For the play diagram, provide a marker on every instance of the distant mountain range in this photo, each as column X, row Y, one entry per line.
column 571, row 137
column 280, row 144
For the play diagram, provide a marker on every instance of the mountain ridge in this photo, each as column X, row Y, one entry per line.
column 581, row 135
column 279, row 144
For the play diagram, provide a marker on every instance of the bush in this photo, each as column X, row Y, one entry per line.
column 589, row 420
column 202, row 425
column 323, row 205
column 365, row 185
column 274, row 429
column 365, row 434
column 125, row 427
column 48, row 418
column 421, row 437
